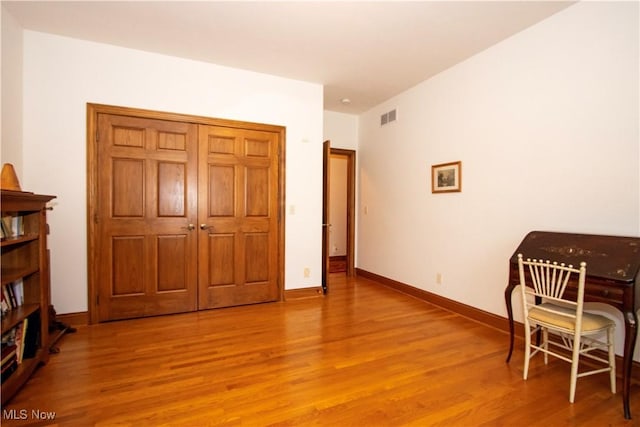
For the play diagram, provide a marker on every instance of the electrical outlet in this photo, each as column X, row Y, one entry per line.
column 307, row 272
column 439, row 279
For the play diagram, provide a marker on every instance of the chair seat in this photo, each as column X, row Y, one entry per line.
column 590, row 322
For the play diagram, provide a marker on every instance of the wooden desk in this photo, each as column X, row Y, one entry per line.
column 613, row 273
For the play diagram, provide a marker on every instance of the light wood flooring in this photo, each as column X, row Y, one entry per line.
column 364, row 355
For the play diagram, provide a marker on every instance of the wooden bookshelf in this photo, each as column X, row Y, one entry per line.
column 24, row 257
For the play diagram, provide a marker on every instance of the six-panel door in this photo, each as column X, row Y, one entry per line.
column 147, row 184
column 237, row 216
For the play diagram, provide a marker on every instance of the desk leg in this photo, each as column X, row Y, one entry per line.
column 507, row 298
column 630, row 333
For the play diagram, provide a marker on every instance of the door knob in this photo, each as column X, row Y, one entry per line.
column 204, row 227
column 189, row 227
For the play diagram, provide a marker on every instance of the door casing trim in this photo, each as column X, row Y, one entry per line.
column 351, row 209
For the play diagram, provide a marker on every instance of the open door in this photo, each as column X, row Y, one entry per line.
column 326, row 152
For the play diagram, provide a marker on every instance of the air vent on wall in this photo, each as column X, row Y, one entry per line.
column 388, row 117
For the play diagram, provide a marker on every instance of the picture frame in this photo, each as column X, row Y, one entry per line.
column 446, row 177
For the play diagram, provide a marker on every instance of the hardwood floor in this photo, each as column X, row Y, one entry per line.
column 362, row 355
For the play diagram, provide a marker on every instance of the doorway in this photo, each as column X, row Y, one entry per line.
column 338, row 246
column 338, row 213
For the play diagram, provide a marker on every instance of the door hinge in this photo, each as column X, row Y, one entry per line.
column 95, row 218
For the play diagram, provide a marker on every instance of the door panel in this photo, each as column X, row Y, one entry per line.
column 147, row 189
column 257, row 257
column 221, row 190
column 172, row 266
column 221, row 259
column 256, row 198
column 128, row 258
column 238, row 216
column 128, row 173
column 171, row 189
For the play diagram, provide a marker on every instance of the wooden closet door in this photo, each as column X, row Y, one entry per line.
column 237, row 216
column 147, row 207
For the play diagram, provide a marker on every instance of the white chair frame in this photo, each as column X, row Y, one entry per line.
column 579, row 331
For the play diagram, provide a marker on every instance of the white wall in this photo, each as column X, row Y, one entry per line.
column 341, row 129
column 61, row 75
column 11, row 117
column 546, row 126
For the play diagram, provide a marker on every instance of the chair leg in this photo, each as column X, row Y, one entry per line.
column 612, row 359
column 527, row 348
column 545, row 344
column 574, row 367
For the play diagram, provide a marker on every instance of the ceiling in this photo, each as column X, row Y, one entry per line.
column 360, row 50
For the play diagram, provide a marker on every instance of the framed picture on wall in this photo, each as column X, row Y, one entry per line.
column 446, row 177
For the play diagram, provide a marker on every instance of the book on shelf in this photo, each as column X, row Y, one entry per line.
column 12, row 295
column 19, row 339
column 31, row 336
column 5, row 224
column 9, row 354
column 24, row 338
column 9, row 295
column 18, row 291
column 14, row 300
column 12, row 226
column 9, row 337
column 8, row 351
column 4, row 305
column 17, row 225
